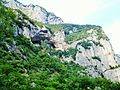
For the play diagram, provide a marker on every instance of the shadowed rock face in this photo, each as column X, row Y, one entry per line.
column 35, row 12
column 117, row 56
column 38, row 38
column 42, row 37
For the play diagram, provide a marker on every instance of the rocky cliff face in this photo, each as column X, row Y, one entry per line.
column 97, row 56
column 27, row 27
column 35, row 12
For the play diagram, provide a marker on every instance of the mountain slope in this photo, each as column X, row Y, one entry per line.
column 26, row 66
column 85, row 40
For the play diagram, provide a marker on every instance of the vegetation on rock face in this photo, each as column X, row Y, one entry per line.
column 97, row 43
column 26, row 67
column 82, row 32
column 22, row 20
column 85, row 44
column 70, row 52
column 75, row 36
column 40, row 24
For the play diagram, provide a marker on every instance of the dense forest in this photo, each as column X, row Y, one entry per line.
column 24, row 66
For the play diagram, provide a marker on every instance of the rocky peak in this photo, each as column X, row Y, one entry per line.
column 35, row 12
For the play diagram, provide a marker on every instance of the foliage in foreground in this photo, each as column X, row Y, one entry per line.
column 26, row 67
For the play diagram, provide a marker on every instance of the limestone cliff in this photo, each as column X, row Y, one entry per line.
column 35, row 12
column 97, row 55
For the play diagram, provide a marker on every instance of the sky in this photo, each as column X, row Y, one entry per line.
column 105, row 13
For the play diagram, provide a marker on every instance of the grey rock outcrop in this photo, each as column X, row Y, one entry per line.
column 35, row 12
column 58, row 40
column 24, row 26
